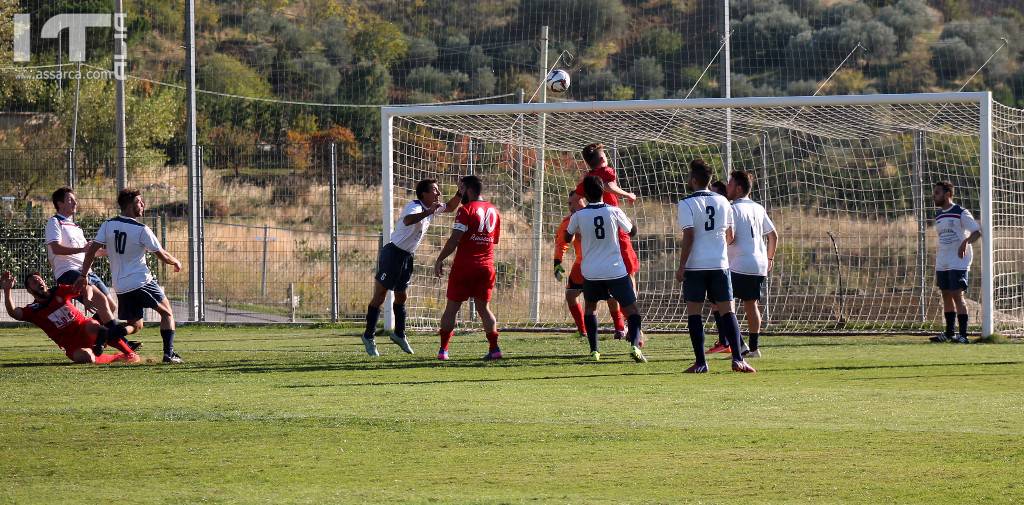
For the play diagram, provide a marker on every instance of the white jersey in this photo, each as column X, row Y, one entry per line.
column 748, row 253
column 63, row 231
column 127, row 242
column 953, row 225
column 598, row 225
column 710, row 215
column 408, row 237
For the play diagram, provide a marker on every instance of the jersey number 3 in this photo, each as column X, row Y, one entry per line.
column 710, row 223
column 120, row 241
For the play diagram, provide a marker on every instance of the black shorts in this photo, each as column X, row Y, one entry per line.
column 130, row 305
column 71, row 276
column 951, row 280
column 699, row 285
column 747, row 287
column 394, row 268
column 572, row 286
column 620, row 289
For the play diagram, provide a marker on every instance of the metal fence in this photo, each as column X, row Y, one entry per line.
column 289, row 232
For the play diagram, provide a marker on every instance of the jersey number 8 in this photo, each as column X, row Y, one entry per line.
column 599, row 227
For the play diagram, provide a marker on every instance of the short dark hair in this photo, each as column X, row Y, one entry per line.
column 744, row 179
column 424, row 187
column 593, row 187
column 126, row 196
column 946, row 185
column 592, row 154
column 29, row 276
column 572, row 192
column 700, row 171
column 474, row 183
column 718, row 187
column 60, row 195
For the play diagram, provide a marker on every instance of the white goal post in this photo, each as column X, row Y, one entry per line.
column 857, row 168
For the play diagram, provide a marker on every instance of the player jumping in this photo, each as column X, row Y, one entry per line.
column 574, row 284
column 475, row 232
column 604, row 272
column 127, row 241
column 395, row 263
column 65, row 250
column 957, row 230
column 706, row 221
column 81, row 338
column 750, row 260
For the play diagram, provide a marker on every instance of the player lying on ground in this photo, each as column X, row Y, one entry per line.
column 604, row 272
column 475, row 232
column 80, row 337
column 574, row 284
column 395, row 263
column 750, row 259
column 65, row 250
column 707, row 224
column 957, row 230
column 127, row 241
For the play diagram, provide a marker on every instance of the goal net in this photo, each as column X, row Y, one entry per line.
column 847, row 181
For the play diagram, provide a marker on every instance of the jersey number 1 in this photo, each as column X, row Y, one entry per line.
column 488, row 220
column 120, row 241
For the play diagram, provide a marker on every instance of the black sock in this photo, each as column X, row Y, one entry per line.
column 962, row 319
column 695, row 324
column 372, row 313
column 718, row 322
column 399, row 319
column 168, row 336
column 115, row 331
column 753, row 341
column 590, row 322
column 730, row 332
column 950, row 320
column 633, row 322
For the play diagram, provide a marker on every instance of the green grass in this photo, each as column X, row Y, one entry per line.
column 283, row 415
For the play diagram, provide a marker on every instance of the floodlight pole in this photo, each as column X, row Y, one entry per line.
column 120, row 58
column 988, row 226
column 538, row 185
column 194, row 211
column 725, row 87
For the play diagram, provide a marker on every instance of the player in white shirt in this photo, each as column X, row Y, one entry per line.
column 706, row 221
column 127, row 241
column 395, row 262
column 750, row 258
column 956, row 230
column 65, row 250
column 604, row 271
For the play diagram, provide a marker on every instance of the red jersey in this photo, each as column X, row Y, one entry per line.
column 56, row 316
column 607, row 174
column 481, row 226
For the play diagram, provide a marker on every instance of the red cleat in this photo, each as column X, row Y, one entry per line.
column 719, row 348
column 742, row 366
column 695, row 368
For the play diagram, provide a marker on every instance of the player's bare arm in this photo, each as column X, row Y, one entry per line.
column 633, row 231
column 7, row 283
column 773, row 245
column 61, row 250
column 447, row 250
column 412, row 219
column 684, row 253
column 454, row 202
column 90, row 256
column 168, row 259
column 973, row 237
column 615, row 188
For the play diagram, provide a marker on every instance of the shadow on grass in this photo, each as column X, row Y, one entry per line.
column 480, row 380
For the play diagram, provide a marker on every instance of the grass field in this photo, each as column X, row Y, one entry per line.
column 301, row 416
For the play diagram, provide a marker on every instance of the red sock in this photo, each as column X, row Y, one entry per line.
column 121, row 345
column 618, row 320
column 577, row 315
column 492, row 341
column 446, row 337
column 103, row 359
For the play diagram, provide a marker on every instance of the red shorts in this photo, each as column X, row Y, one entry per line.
column 629, row 258
column 76, row 338
column 466, row 283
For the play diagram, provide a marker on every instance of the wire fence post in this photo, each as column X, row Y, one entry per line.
column 202, row 233
column 334, row 235
column 162, row 219
column 71, row 167
column 263, row 264
column 291, row 302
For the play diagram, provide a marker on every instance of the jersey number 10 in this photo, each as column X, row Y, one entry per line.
column 120, row 241
column 488, row 219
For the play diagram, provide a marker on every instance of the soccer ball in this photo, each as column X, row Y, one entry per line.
column 558, row 81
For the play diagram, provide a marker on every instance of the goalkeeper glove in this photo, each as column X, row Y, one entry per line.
column 559, row 270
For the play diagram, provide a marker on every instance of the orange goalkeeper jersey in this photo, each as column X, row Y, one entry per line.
column 576, row 274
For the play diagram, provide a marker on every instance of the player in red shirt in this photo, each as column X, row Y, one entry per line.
column 594, row 155
column 574, row 285
column 474, row 234
column 53, row 312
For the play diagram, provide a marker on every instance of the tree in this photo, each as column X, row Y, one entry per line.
column 647, row 75
column 482, row 83
column 907, row 18
column 761, row 39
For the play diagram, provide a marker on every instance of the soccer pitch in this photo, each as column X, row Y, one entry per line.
column 282, row 415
